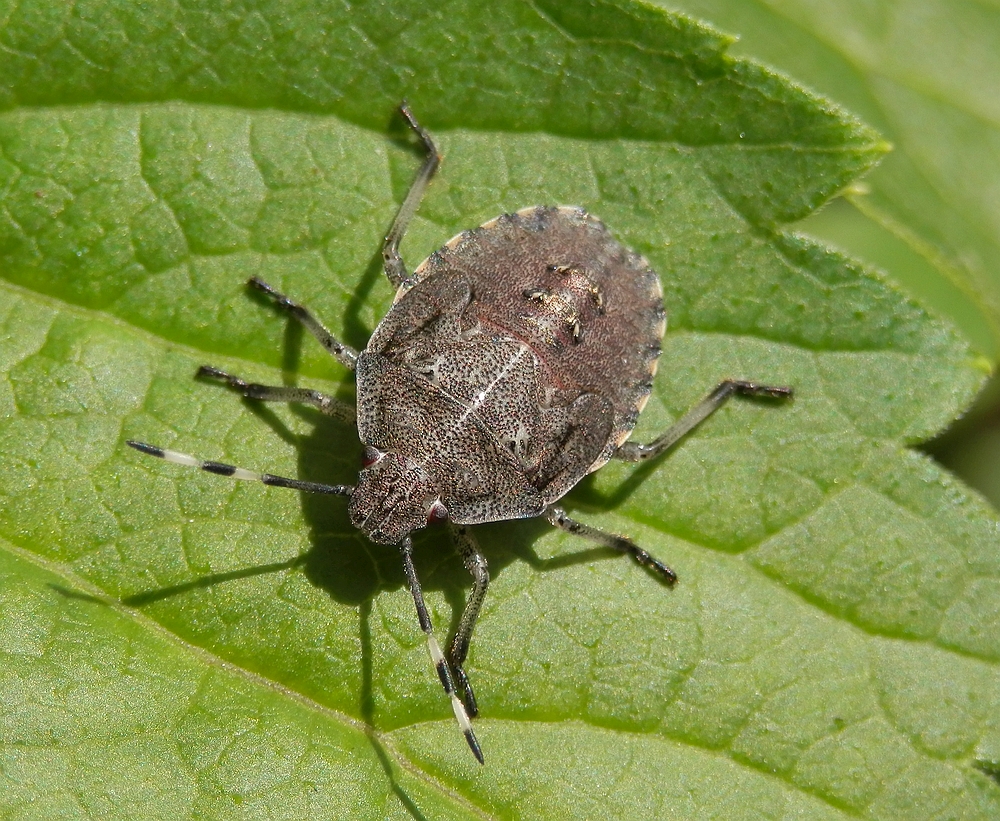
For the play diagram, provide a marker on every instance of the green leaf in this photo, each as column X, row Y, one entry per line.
column 176, row 645
column 924, row 72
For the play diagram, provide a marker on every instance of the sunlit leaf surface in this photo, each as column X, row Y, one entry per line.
column 174, row 645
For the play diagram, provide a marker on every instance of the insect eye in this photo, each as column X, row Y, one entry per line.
column 437, row 513
column 371, row 456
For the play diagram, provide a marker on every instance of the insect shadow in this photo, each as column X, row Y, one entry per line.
column 352, row 570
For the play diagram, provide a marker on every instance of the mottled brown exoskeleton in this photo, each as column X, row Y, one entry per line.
column 514, row 361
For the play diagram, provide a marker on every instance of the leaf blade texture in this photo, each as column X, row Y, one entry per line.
column 237, row 650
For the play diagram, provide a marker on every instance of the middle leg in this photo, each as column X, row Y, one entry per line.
column 344, row 354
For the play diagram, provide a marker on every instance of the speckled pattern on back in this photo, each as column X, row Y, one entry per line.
column 516, row 364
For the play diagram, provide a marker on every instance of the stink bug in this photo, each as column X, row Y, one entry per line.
column 514, row 361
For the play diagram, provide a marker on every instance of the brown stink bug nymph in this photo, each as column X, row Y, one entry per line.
column 514, row 361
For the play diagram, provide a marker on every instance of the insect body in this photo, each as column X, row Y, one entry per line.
column 514, row 361
column 514, row 366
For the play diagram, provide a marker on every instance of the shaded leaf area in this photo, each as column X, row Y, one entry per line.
column 599, row 69
column 829, row 651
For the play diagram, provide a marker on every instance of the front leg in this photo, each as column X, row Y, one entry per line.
column 344, row 354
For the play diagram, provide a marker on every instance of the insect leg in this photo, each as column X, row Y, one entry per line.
column 269, row 393
column 557, row 516
column 345, row 354
column 475, row 563
column 437, row 657
column 635, row 452
column 395, row 269
column 234, row 472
